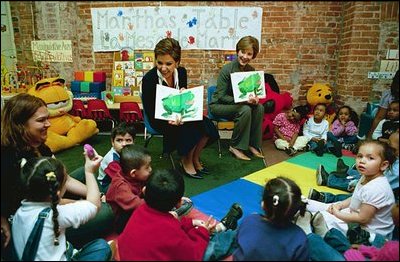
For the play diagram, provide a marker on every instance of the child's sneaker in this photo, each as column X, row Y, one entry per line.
column 184, row 209
column 341, row 167
column 322, row 176
column 304, row 222
column 290, row 151
column 230, row 220
column 336, row 149
column 357, row 235
column 316, row 195
column 319, row 224
column 319, row 151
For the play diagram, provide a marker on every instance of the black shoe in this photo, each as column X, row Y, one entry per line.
column 336, row 149
column 197, row 175
column 316, row 195
column 203, row 171
column 341, row 167
column 357, row 235
column 290, row 151
column 184, row 209
column 319, row 151
column 287, row 151
column 230, row 220
column 322, row 176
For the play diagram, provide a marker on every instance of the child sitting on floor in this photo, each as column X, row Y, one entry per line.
column 372, row 199
column 286, row 131
column 273, row 236
column 129, row 176
column 316, row 130
column 346, row 178
column 44, row 180
column 152, row 233
column 121, row 135
column 344, row 128
column 388, row 125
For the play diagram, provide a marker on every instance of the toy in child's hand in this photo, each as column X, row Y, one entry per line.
column 89, row 150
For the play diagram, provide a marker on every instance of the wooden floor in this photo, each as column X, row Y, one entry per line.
column 271, row 154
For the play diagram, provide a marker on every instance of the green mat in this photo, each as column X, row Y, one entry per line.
column 223, row 170
column 328, row 160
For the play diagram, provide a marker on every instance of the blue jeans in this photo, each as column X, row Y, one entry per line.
column 343, row 182
column 346, row 139
column 313, row 145
column 329, row 248
column 331, row 198
column 221, row 245
column 96, row 250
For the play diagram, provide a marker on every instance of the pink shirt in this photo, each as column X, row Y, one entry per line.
column 286, row 127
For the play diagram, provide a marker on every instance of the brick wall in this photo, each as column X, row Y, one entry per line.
column 302, row 42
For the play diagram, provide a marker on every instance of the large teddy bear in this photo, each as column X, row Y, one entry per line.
column 321, row 93
column 66, row 130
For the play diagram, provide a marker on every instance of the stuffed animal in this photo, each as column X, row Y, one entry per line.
column 274, row 103
column 321, row 93
column 124, row 55
column 66, row 130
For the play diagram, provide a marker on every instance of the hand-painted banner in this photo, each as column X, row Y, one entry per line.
column 195, row 27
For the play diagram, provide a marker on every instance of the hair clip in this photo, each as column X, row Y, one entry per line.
column 275, row 200
column 51, row 176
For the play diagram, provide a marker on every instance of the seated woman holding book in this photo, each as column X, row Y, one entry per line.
column 189, row 138
column 248, row 116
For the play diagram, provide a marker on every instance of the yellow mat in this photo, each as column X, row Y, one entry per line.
column 304, row 177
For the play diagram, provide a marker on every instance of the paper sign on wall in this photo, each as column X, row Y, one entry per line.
column 52, row 50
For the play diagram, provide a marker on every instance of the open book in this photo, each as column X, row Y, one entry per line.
column 186, row 105
column 246, row 84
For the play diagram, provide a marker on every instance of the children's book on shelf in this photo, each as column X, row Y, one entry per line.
column 118, row 78
column 108, row 97
column 148, row 60
column 138, row 61
column 247, row 84
column 172, row 104
column 124, row 65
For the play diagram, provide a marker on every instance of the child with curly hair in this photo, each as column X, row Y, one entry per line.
column 344, row 128
column 287, row 126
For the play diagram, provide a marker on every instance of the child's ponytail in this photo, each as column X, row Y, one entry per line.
column 53, row 188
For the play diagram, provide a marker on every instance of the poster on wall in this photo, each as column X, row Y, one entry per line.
column 195, row 27
column 52, row 50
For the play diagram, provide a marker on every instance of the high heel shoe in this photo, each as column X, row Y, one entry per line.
column 255, row 152
column 196, row 175
column 238, row 154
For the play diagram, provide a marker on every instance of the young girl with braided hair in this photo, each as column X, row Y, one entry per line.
column 274, row 236
column 44, row 179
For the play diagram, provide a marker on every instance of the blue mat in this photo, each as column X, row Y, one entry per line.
column 248, row 194
column 217, row 201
